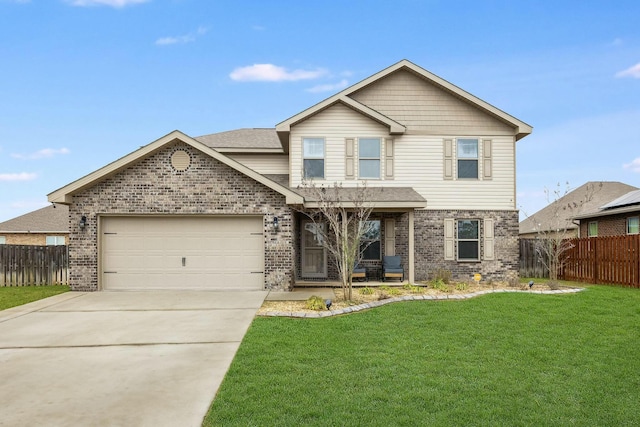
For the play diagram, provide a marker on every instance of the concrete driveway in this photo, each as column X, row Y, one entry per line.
column 119, row 358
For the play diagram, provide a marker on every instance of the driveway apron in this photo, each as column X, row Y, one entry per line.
column 119, row 358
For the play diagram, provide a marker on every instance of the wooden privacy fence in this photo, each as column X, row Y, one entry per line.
column 531, row 261
column 607, row 260
column 23, row 265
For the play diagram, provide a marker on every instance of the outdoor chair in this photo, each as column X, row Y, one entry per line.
column 392, row 268
column 359, row 272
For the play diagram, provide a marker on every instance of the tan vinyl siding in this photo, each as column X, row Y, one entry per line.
column 418, row 162
column 335, row 124
column 264, row 163
column 423, row 107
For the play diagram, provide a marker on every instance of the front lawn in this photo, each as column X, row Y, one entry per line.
column 499, row 359
column 14, row 296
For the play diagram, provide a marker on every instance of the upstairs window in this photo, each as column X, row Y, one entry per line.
column 313, row 158
column 633, row 225
column 369, row 158
column 467, row 158
column 593, row 229
column 469, row 240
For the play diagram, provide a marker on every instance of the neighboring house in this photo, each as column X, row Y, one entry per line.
column 619, row 217
column 222, row 210
column 560, row 213
column 46, row 226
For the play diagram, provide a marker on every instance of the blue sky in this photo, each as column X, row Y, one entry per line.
column 85, row 82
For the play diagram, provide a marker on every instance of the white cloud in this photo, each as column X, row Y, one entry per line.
column 633, row 71
column 329, row 87
column 634, row 165
column 22, row 176
column 273, row 73
column 187, row 38
column 45, row 153
column 111, row 3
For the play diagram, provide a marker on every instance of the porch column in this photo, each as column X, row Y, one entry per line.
column 412, row 267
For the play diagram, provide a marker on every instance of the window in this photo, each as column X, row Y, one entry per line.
column 469, row 240
column 55, row 240
column 369, row 158
column 633, row 225
column 3, row 240
column 593, row 229
column 370, row 242
column 468, row 158
column 313, row 157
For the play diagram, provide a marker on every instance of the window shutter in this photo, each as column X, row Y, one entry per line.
column 389, row 237
column 486, row 155
column 448, row 159
column 449, row 239
column 489, row 239
column 388, row 156
column 349, row 171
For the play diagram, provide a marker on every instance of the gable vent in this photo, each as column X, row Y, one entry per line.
column 180, row 160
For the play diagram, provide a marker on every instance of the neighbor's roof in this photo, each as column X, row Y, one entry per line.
column 380, row 197
column 522, row 129
column 602, row 193
column 243, row 140
column 50, row 219
column 629, row 202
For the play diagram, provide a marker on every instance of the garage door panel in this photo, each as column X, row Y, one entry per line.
column 147, row 253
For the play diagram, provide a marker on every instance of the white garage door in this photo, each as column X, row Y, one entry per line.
column 182, row 253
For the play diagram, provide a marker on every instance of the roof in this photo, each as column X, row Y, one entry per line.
column 380, row 197
column 50, row 219
column 522, row 129
column 627, row 203
column 252, row 140
column 64, row 194
column 573, row 203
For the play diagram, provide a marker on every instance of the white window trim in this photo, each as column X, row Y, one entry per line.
column 57, row 240
column 379, row 158
column 458, row 158
column 323, row 158
column 458, row 240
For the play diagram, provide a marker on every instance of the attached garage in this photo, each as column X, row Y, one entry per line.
column 182, row 252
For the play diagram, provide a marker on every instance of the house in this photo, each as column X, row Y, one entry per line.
column 46, row 226
column 221, row 211
column 619, row 217
column 560, row 214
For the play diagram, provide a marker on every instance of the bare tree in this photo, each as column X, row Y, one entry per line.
column 554, row 238
column 340, row 219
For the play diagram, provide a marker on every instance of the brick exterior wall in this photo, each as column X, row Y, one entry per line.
column 429, row 246
column 207, row 187
column 614, row 225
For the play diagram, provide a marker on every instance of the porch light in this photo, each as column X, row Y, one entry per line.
column 276, row 224
column 83, row 222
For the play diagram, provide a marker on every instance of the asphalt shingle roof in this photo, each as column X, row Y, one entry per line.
column 45, row 220
column 248, row 138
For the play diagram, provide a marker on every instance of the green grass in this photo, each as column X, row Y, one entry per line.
column 14, row 296
column 500, row 359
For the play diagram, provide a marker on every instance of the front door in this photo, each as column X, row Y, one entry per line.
column 314, row 255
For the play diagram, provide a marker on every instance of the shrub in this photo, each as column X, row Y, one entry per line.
column 366, row 291
column 315, row 302
column 439, row 285
column 462, row 286
column 442, row 274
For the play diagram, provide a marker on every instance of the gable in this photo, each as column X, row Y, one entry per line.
column 64, row 195
column 424, row 107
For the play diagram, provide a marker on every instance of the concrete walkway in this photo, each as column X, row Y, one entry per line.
column 119, row 358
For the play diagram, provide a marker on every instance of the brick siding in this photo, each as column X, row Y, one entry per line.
column 207, row 187
column 429, row 246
